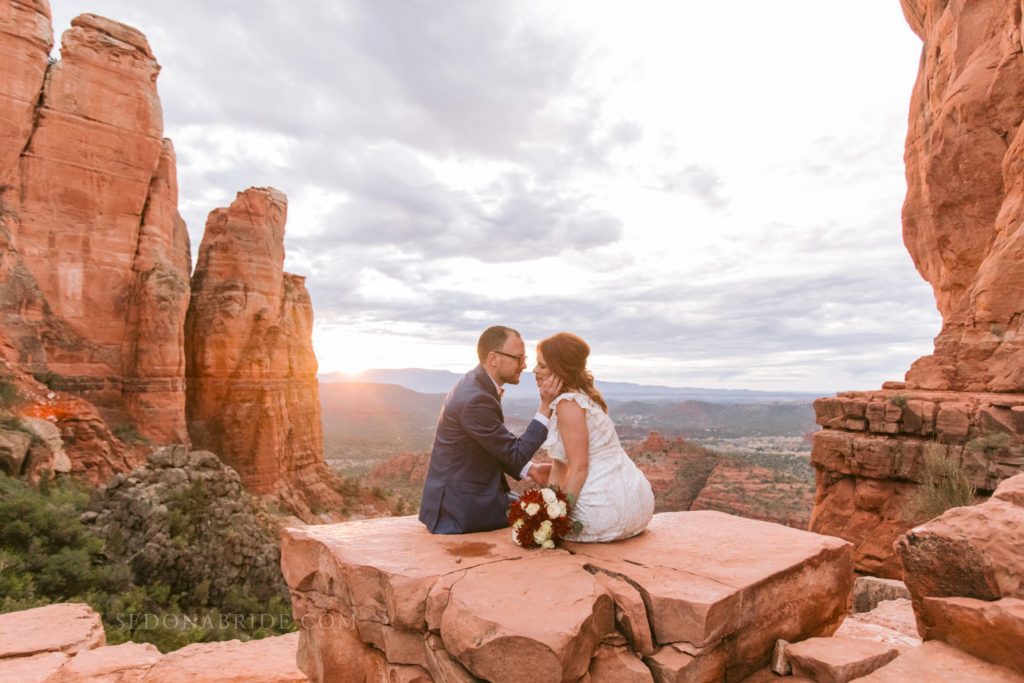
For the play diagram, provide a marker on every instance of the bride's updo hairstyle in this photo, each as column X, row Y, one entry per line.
column 566, row 355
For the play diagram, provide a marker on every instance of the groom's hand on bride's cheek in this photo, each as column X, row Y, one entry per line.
column 550, row 388
column 540, row 473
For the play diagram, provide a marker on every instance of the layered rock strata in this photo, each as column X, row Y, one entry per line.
column 252, row 387
column 95, row 255
column 696, row 597
column 870, row 457
column 60, row 433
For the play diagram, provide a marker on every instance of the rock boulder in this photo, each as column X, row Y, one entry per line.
column 386, row 593
column 65, row 627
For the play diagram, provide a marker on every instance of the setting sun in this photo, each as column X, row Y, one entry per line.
column 350, row 351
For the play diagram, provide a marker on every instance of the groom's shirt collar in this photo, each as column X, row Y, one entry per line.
column 500, row 389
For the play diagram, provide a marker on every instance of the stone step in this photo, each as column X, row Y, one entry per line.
column 838, row 660
column 936, row 661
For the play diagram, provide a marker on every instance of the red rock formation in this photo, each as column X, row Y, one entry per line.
column 965, row 573
column 98, row 254
column 676, row 468
column 749, row 490
column 963, row 223
column 685, row 476
column 65, row 627
column 870, row 457
column 963, row 219
column 94, row 453
column 697, row 596
column 252, row 387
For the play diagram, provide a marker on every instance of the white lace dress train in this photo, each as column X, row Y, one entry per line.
column 616, row 500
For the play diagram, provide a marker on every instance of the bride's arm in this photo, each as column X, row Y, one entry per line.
column 572, row 427
column 558, row 471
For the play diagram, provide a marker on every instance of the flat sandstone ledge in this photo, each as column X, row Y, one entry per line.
column 698, row 596
column 65, row 643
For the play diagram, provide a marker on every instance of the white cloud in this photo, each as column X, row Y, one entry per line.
column 709, row 192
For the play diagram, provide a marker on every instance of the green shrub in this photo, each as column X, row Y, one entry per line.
column 8, row 421
column 349, row 487
column 945, row 486
column 129, row 433
column 9, row 394
column 47, row 555
column 898, row 400
column 50, row 379
column 989, row 444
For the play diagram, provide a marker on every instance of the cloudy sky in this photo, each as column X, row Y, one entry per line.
column 709, row 193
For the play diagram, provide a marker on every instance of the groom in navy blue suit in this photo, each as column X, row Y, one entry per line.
column 465, row 490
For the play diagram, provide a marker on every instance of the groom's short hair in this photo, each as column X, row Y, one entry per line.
column 493, row 339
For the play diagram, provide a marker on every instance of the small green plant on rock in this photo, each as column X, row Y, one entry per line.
column 989, row 444
column 129, row 433
column 51, row 379
column 945, row 485
column 898, row 400
column 8, row 393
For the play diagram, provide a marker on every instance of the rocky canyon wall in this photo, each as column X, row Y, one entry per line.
column 963, row 219
column 95, row 276
column 963, row 224
column 252, row 389
column 96, row 257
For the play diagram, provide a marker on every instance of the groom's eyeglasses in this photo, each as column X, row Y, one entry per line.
column 519, row 359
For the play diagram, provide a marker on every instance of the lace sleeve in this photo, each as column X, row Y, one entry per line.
column 554, row 445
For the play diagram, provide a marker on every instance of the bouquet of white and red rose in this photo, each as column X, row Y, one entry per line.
column 541, row 518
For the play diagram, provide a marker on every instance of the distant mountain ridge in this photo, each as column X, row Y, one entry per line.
column 440, row 381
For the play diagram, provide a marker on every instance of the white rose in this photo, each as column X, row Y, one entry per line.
column 518, row 524
column 532, row 509
column 557, row 509
column 548, row 495
column 548, row 544
column 546, row 526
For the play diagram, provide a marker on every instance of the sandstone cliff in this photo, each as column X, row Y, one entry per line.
column 963, row 219
column 95, row 256
column 252, row 387
column 963, row 224
column 95, row 272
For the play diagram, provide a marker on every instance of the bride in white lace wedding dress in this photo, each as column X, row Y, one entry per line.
column 613, row 499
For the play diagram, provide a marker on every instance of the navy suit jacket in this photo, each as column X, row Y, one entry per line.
column 465, row 489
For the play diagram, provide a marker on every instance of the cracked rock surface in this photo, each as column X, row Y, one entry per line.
column 698, row 596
